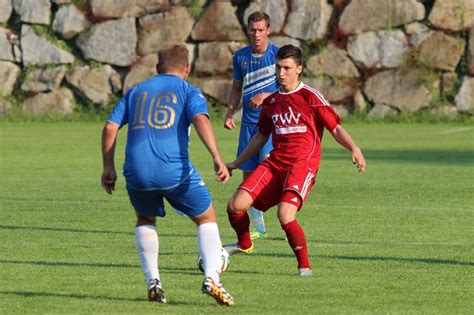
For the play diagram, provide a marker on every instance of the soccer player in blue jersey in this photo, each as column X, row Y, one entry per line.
column 159, row 112
column 254, row 79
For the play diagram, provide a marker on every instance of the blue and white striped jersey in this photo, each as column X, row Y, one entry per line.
column 257, row 73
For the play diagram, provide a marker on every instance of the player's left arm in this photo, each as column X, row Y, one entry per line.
column 109, row 175
column 255, row 144
column 206, row 134
column 344, row 139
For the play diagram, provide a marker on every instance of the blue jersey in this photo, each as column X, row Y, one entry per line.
column 159, row 112
column 257, row 73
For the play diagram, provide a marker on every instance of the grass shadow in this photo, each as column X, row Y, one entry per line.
column 85, row 231
column 425, row 156
column 28, row 294
column 434, row 261
column 36, row 294
column 67, row 264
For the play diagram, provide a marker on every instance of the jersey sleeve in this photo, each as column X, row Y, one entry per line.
column 119, row 115
column 265, row 123
column 325, row 112
column 328, row 116
column 236, row 69
column 196, row 103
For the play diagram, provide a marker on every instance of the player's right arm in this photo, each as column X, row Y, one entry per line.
column 256, row 143
column 109, row 176
column 234, row 100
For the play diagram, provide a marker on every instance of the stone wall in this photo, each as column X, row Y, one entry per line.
column 374, row 56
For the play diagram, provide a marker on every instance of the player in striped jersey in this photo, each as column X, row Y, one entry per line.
column 254, row 79
column 295, row 117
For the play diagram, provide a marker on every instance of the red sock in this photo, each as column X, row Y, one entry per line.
column 297, row 241
column 241, row 223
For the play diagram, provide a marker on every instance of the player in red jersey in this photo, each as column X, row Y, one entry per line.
column 295, row 116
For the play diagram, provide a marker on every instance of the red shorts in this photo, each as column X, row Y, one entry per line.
column 267, row 183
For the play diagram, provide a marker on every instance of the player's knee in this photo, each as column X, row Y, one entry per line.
column 235, row 205
column 145, row 220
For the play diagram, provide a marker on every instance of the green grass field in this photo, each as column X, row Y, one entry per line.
column 397, row 239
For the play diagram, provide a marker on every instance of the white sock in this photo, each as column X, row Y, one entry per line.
column 257, row 219
column 147, row 246
column 209, row 246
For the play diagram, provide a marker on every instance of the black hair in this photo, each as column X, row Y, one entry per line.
column 290, row 51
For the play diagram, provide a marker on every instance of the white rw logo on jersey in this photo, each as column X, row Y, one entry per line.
column 283, row 123
column 286, row 118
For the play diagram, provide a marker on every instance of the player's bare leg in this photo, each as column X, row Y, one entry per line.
column 237, row 209
column 148, row 247
column 295, row 235
column 260, row 231
column 209, row 246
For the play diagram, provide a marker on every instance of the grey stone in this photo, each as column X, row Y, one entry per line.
column 33, row 11
column 58, row 102
column 44, row 80
column 418, row 32
column 465, row 97
column 382, row 49
column 6, row 10
column 441, row 51
column 360, row 105
column 158, row 30
column 333, row 62
column 393, row 47
column 371, row 15
column 449, row 81
column 365, row 49
column 17, row 53
column 115, row 81
column 9, row 74
column 69, row 21
column 92, row 84
column 341, row 110
column 140, row 71
column 5, row 107
column 445, row 110
column 6, row 48
column 104, row 9
column 218, row 23
column 452, row 15
column 336, row 91
column 281, row 40
column 215, row 58
column 192, row 52
column 218, row 89
column 401, row 88
column 381, row 111
column 470, row 52
column 308, row 19
column 112, row 42
column 276, row 9
column 38, row 50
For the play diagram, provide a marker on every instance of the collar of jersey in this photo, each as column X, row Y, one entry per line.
column 299, row 87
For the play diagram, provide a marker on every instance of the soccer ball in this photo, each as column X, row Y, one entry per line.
column 224, row 261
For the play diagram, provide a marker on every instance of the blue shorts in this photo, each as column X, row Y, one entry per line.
column 190, row 197
column 246, row 133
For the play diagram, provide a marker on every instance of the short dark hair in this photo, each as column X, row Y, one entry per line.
column 258, row 16
column 174, row 56
column 290, row 51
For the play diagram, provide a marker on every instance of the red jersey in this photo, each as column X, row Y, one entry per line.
column 296, row 120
